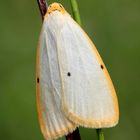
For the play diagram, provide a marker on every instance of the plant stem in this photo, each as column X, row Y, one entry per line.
column 43, row 6
column 75, row 11
column 74, row 135
column 100, row 134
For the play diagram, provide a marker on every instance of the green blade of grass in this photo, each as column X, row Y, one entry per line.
column 100, row 134
column 75, row 11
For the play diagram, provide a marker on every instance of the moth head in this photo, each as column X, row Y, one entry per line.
column 55, row 7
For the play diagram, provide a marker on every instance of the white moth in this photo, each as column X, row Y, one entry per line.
column 73, row 85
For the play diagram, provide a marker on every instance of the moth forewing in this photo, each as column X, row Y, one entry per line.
column 89, row 97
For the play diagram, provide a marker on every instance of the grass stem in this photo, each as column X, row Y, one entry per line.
column 75, row 135
column 43, row 6
column 75, row 11
column 100, row 134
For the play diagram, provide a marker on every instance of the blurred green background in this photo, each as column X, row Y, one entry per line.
column 114, row 25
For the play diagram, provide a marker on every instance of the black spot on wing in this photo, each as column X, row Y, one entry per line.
column 69, row 74
column 37, row 79
column 102, row 67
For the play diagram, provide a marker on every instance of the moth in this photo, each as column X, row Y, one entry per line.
column 73, row 86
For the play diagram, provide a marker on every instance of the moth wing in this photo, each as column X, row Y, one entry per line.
column 52, row 119
column 88, row 97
